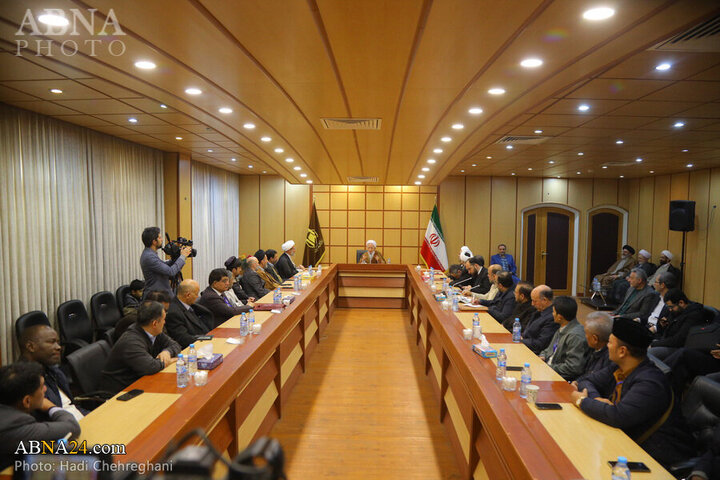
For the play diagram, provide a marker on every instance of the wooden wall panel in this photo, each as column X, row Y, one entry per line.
column 478, row 194
column 272, row 196
column 555, row 190
column 297, row 216
column 249, row 214
column 529, row 192
column 679, row 190
column 451, row 206
column 697, row 241
column 605, row 191
column 660, row 214
column 502, row 220
column 712, row 266
column 185, row 204
column 644, row 212
column 628, row 198
column 580, row 198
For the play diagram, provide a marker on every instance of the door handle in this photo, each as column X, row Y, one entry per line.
column 543, row 253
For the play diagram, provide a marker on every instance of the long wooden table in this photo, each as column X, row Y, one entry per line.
column 495, row 434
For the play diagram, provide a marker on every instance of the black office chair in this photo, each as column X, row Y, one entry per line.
column 86, row 365
column 104, row 310
column 30, row 319
column 75, row 327
column 711, row 314
column 358, row 254
column 120, row 297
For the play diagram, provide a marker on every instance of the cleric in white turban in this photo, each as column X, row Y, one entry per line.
column 285, row 265
column 465, row 254
column 371, row 255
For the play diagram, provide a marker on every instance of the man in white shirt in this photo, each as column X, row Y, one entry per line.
column 663, row 282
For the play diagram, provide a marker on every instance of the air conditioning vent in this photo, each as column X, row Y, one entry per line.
column 351, row 123
column 704, row 37
column 522, row 140
column 620, row 164
column 362, row 179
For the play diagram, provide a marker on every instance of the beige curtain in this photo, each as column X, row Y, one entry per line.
column 216, row 216
column 73, row 203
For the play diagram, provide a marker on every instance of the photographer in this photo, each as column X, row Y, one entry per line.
column 156, row 272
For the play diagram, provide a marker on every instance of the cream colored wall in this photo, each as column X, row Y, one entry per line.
column 483, row 211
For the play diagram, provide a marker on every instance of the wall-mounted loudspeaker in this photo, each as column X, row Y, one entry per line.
column 682, row 215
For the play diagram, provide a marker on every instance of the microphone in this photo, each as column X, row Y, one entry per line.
column 458, row 283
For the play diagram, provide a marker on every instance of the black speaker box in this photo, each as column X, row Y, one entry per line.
column 682, row 215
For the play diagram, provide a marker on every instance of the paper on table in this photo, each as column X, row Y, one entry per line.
column 235, row 340
column 276, row 311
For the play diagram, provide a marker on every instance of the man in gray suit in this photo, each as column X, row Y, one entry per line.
column 156, row 272
column 22, row 392
column 568, row 350
column 252, row 283
column 639, row 299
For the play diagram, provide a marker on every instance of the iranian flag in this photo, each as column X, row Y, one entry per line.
column 433, row 248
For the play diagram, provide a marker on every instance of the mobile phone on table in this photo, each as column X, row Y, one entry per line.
column 204, row 337
column 548, row 406
column 633, row 466
column 130, row 395
column 514, row 368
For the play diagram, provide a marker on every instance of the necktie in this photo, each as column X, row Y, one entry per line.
column 226, row 300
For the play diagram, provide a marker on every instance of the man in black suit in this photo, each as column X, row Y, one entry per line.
column 185, row 319
column 234, row 264
column 270, row 268
column 285, row 266
column 639, row 298
column 125, row 322
column 684, row 315
column 253, row 284
column 213, row 297
column 502, row 306
column 660, row 313
column 142, row 350
column 41, row 344
column 541, row 328
column 480, row 282
column 524, row 309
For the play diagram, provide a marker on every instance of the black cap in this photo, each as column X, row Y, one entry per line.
column 629, row 249
column 260, row 254
column 631, row 332
column 232, row 262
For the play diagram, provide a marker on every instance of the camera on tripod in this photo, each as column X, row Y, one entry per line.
column 172, row 247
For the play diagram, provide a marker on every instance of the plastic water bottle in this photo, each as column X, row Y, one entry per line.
column 277, row 297
column 621, row 471
column 455, row 303
column 445, row 284
column 432, row 274
column 501, row 365
column 182, row 372
column 477, row 329
column 476, row 320
column 517, row 329
column 251, row 318
column 596, row 285
column 525, row 380
column 192, row 360
column 243, row 325
column 310, row 271
column 319, row 270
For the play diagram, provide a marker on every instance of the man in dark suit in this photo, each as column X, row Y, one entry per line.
column 253, row 284
column 541, row 328
column 502, row 306
column 285, row 266
column 684, row 315
column 634, row 395
column 480, row 282
column 660, row 311
column 22, row 388
column 156, row 272
column 568, row 350
column 270, row 268
column 142, row 350
column 269, row 282
column 639, row 298
column 213, row 297
column 185, row 319
column 598, row 326
column 125, row 322
column 234, row 264
column 524, row 309
column 41, row 344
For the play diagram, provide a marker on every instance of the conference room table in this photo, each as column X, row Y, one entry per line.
column 495, row 434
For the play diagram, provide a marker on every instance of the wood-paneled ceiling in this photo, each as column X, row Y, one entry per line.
column 419, row 65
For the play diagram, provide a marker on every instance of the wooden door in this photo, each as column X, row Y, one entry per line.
column 605, row 241
column 548, row 239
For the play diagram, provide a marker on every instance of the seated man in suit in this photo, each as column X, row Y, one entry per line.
column 270, row 284
column 598, row 326
column 142, row 350
column 234, row 265
column 506, row 261
column 684, row 315
column 480, row 282
column 464, row 278
column 524, row 309
column 132, row 299
column 502, row 306
column 618, row 269
column 270, row 267
column 252, row 282
column 492, row 273
column 660, row 311
column 41, row 344
column 541, row 327
column 371, row 254
column 285, row 266
column 125, row 322
column 568, row 351
column 22, row 394
column 213, row 297
column 634, row 395
column 639, row 299
column 186, row 320
column 621, row 285
column 665, row 266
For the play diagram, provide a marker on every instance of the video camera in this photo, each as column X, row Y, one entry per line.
column 172, row 247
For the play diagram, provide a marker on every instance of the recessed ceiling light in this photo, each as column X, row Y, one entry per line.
column 234, row 159
column 265, row 139
column 679, row 124
column 446, row 139
column 604, row 166
column 652, row 171
column 425, row 169
column 557, row 176
column 538, row 131
column 580, row 154
column 264, row 171
column 551, row 162
column 249, row 126
column 193, row 91
column 297, row 168
column 225, row 110
column 513, row 173
column 210, row 150
column 431, row 160
column 474, row 164
column 132, row 120
column 418, row 183
column 530, row 169
column 53, row 20
column 279, row 150
column 531, row 63
column 437, row 150
column 178, row 138
column 303, row 175
column 638, row 159
column 289, row 159
column 622, row 176
column 145, row 64
column 509, row 147
column 578, row 173
column 489, row 157
column 475, row 111
column 583, row 107
column 598, row 13
column 55, row 90
column 619, row 142
column 458, row 126
column 162, row 105
column 250, row 166
column 421, row 176
column 689, row 165
column 685, row 150
column 308, row 181
column 663, row 66
column 496, row 91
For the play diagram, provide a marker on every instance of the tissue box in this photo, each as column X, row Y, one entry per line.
column 485, row 352
column 209, row 364
column 440, row 297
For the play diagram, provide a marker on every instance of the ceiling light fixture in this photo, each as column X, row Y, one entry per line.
column 279, row 150
column 250, row 166
column 530, row 169
column 489, row 157
column 474, row 164
column 264, row 171
column 431, row 160
column 652, row 171
column 604, row 166
column 598, row 13
column 210, row 150
column 425, row 169
column 619, row 142
column 55, row 90
column 458, row 126
column 689, row 165
column 132, row 120
column 289, row 160
column 551, row 162
column 663, row 66
column 303, row 175
column 509, row 147
column 437, row 150
column 496, row 91
column 583, row 107
column 418, row 183
column 421, row 176
column 685, row 150
column 145, row 65
column 531, row 63
column 178, row 138
column 638, row 160
column 193, row 91
column 557, row 176
column 622, row 176
column 308, row 181
column 265, row 139
column 249, row 126
column 446, row 139
column 225, row 110
column 679, row 124
column 577, row 173
column 538, row 132
column 234, row 159
column 513, row 174
column 475, row 111
column 53, row 20
column 580, row 154
column 162, row 105
column 298, row 168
